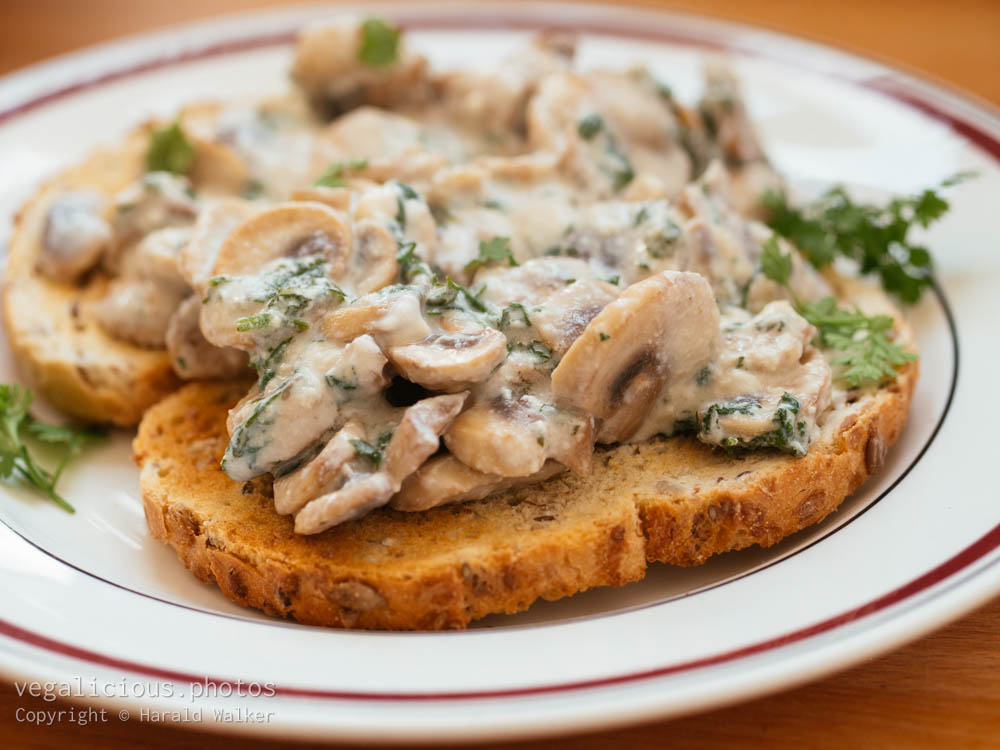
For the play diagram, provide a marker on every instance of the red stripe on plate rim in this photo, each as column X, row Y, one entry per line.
column 891, row 87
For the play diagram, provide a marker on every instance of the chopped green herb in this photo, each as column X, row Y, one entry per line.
column 379, row 43
column 445, row 297
column 16, row 460
column 254, row 322
column 876, row 237
column 493, row 249
column 514, row 308
column 253, row 189
column 704, row 375
column 641, row 216
column 372, row 452
column 590, row 126
column 604, row 336
column 333, row 175
column 777, row 266
column 334, row 382
column 411, row 265
column 870, row 357
column 169, row 150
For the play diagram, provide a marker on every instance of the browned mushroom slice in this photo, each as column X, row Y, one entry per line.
column 322, row 474
column 565, row 314
column 664, row 326
column 513, row 437
column 334, row 197
column 217, row 167
column 413, row 442
column 449, row 361
column 213, row 226
column 392, row 320
column 191, row 355
column 287, row 230
column 355, row 499
column 445, row 479
column 75, row 234
column 417, row 437
column 373, row 264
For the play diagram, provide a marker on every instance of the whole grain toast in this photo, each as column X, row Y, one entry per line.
column 672, row 500
column 60, row 348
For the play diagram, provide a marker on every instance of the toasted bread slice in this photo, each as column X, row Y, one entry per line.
column 670, row 500
column 56, row 340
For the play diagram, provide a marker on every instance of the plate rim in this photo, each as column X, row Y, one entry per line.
column 901, row 86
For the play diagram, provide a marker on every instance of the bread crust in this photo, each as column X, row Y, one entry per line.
column 57, row 343
column 672, row 500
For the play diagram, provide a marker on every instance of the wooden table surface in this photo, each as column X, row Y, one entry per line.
column 942, row 691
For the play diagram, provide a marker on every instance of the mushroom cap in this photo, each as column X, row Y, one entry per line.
column 664, row 326
column 287, row 230
column 449, row 361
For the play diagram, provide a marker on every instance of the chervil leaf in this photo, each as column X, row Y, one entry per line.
column 169, row 150
column 494, row 249
column 870, row 357
column 379, row 43
column 777, row 266
column 876, row 237
column 16, row 460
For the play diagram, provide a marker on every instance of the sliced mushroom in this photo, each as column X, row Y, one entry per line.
column 391, row 319
column 75, row 235
column 355, row 499
column 191, row 355
column 566, row 313
column 513, row 436
column 664, row 326
column 217, row 167
column 321, row 475
column 373, row 264
column 450, row 361
column 214, row 224
column 413, row 442
column 158, row 200
column 334, row 197
column 138, row 310
column 287, row 230
column 417, row 437
column 359, row 370
column 157, row 257
column 445, row 479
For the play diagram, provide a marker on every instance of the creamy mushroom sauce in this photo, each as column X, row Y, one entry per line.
column 517, row 264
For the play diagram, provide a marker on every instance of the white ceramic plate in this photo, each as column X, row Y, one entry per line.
column 91, row 602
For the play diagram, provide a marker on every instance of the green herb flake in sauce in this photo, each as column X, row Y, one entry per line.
column 169, row 150
column 379, row 43
column 590, row 126
column 494, row 249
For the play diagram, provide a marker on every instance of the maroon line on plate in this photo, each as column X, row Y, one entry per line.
column 892, row 88
column 982, row 547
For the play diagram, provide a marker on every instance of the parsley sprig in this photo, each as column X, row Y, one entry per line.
column 17, row 460
column 876, row 237
column 869, row 356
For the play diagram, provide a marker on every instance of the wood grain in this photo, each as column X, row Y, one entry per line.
column 942, row 691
